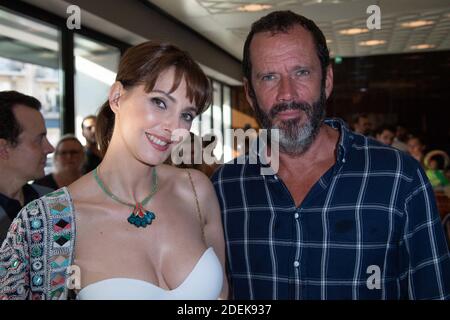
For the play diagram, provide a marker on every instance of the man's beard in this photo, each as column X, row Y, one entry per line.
column 294, row 139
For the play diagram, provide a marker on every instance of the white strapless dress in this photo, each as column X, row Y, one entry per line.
column 203, row 283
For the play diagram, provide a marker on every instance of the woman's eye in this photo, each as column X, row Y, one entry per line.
column 159, row 103
column 188, row 117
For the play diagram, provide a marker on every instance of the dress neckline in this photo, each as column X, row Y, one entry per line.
column 151, row 284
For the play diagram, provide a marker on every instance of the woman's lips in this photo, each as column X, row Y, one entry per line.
column 158, row 142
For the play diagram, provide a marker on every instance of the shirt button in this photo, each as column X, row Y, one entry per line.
column 296, row 264
column 343, row 160
column 296, row 215
column 275, row 177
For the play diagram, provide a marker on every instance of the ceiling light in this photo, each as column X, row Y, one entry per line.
column 372, row 42
column 329, row 41
column 47, row 55
column 353, row 31
column 422, row 46
column 417, row 24
column 254, row 7
column 312, row 2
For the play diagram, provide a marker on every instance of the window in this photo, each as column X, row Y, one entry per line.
column 221, row 112
column 96, row 65
column 227, row 135
column 217, row 119
column 30, row 63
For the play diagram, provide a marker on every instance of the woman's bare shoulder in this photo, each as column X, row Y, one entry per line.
column 177, row 175
column 181, row 181
column 84, row 189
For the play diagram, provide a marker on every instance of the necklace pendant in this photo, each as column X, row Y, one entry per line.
column 140, row 217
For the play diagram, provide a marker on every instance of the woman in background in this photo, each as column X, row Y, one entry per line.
column 68, row 161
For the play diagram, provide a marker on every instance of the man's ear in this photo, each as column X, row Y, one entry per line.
column 4, row 149
column 114, row 95
column 249, row 93
column 329, row 81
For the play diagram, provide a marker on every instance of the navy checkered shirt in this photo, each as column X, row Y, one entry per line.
column 368, row 229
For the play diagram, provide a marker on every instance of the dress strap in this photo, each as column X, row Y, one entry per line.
column 198, row 207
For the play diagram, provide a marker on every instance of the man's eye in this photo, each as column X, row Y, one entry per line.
column 302, row 72
column 268, row 77
column 40, row 139
column 159, row 103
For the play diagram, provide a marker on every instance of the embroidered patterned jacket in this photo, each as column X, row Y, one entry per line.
column 38, row 250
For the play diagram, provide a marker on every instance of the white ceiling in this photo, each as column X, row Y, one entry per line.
column 222, row 23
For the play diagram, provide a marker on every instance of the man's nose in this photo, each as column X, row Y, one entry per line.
column 48, row 147
column 286, row 90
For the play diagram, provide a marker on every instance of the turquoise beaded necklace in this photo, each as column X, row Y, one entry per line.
column 139, row 217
